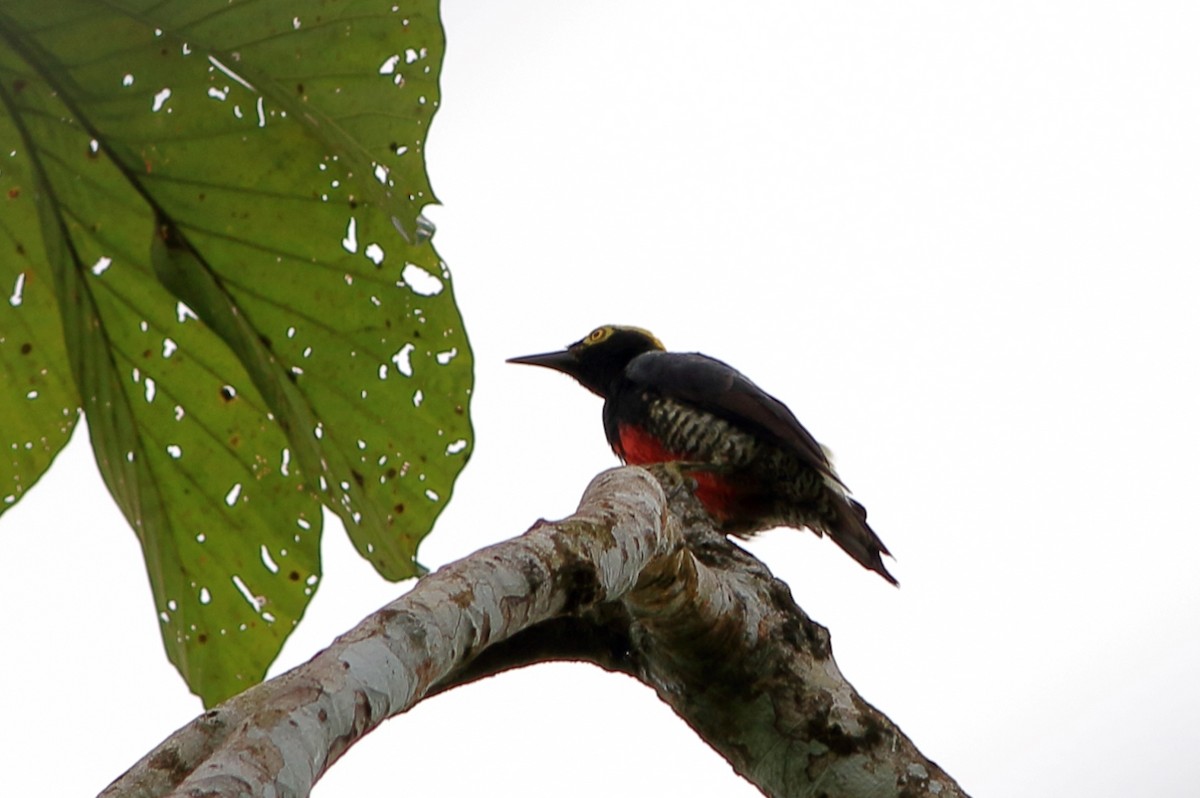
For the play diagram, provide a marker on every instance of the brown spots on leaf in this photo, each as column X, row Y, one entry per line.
column 358, row 477
column 19, row 85
column 391, row 473
column 20, row 249
column 202, row 638
column 294, row 576
column 147, row 354
column 14, row 192
column 399, row 508
column 26, row 348
column 235, row 441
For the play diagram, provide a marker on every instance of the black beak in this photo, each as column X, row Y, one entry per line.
column 564, row 361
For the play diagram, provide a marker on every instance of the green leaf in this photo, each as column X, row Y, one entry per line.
column 229, row 200
column 38, row 402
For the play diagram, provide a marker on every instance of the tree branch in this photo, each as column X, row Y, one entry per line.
column 724, row 644
column 704, row 623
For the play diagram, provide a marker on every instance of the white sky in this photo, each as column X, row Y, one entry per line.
column 959, row 240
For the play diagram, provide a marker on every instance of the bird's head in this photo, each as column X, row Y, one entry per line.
column 599, row 357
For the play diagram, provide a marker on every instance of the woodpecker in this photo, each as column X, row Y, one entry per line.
column 756, row 467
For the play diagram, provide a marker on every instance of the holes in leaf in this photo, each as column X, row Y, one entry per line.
column 160, row 99
column 350, row 242
column 18, row 290
column 420, row 281
column 402, row 359
column 257, row 602
column 230, row 73
column 270, row 563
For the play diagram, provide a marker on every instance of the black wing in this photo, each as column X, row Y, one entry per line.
column 722, row 390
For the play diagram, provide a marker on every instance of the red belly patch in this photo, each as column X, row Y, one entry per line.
column 638, row 447
column 718, row 492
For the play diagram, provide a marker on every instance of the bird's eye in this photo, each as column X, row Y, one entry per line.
column 597, row 335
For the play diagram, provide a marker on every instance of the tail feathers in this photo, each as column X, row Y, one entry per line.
column 851, row 531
